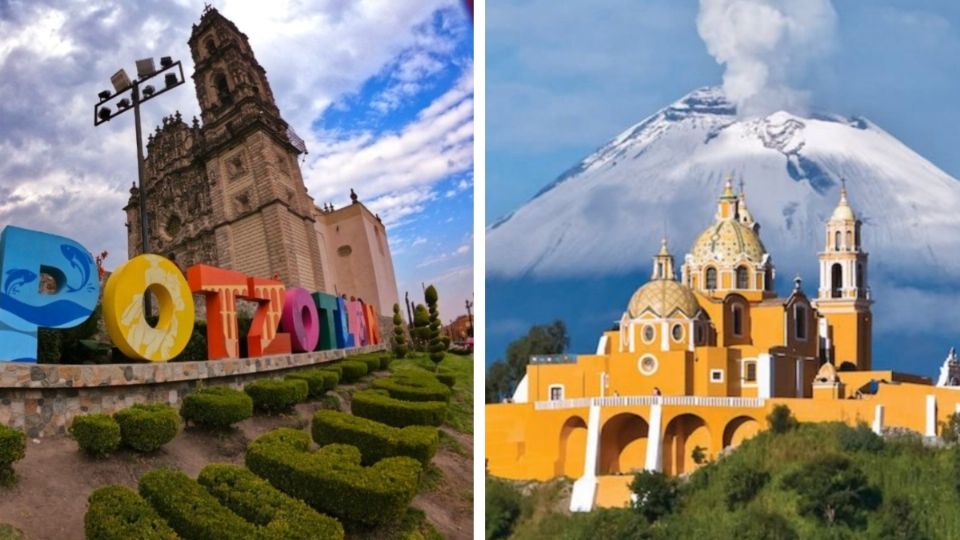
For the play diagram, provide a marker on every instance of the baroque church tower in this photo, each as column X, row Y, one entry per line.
column 844, row 297
column 227, row 190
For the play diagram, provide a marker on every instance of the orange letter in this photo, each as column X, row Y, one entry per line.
column 263, row 338
column 221, row 287
column 373, row 324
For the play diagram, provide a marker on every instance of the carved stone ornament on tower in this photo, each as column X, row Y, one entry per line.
column 950, row 370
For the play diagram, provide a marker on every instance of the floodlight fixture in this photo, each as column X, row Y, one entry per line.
column 104, row 113
column 145, row 68
column 121, row 81
column 170, row 79
column 166, row 62
column 104, row 95
column 123, row 104
column 149, row 90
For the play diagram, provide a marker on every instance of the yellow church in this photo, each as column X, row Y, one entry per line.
column 701, row 361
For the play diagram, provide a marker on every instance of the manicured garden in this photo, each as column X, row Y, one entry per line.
column 368, row 447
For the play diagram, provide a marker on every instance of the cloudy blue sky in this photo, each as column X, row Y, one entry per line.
column 381, row 90
column 563, row 78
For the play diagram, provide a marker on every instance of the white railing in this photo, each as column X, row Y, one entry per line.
column 629, row 401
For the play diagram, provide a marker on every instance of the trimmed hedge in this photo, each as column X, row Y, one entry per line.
column 334, row 367
column 255, row 500
column 190, row 510
column 271, row 395
column 96, row 434
column 372, row 362
column 332, row 479
column 378, row 405
column 385, row 361
column 319, row 381
column 13, row 447
column 146, row 428
column 352, row 370
column 217, row 407
column 118, row 513
column 375, row 440
column 414, row 385
column 446, row 378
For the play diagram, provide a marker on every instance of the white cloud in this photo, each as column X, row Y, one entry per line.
column 61, row 174
column 420, row 240
column 437, row 144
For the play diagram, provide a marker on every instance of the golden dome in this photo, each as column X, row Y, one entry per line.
column 843, row 212
column 725, row 242
column 663, row 297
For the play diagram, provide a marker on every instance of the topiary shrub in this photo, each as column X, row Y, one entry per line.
column 255, row 500
column 272, row 395
column 375, row 440
column 334, row 367
column 318, row 381
column 414, row 385
column 332, row 480
column 351, row 370
column 386, row 360
column 118, row 513
column 13, row 447
column 447, row 378
column 96, row 434
column 372, row 362
column 216, row 407
column 189, row 509
column 378, row 405
column 146, row 428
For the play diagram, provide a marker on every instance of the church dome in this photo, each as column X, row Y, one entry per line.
column 727, row 242
column 663, row 297
column 843, row 211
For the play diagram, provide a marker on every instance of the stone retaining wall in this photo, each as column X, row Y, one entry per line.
column 42, row 399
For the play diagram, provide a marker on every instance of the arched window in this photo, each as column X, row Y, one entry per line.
column 836, row 241
column 677, row 332
column 211, row 46
column 859, row 283
column 849, row 241
column 768, row 279
column 800, row 316
column 737, row 320
column 223, row 89
column 856, row 235
column 711, row 279
column 743, row 278
column 836, row 280
column 698, row 333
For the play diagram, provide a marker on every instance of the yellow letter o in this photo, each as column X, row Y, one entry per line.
column 124, row 315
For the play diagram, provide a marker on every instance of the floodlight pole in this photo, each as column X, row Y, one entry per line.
column 144, row 237
column 102, row 113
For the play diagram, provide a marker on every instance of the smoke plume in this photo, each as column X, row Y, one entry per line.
column 766, row 47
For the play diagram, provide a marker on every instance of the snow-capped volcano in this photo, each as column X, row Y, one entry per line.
column 663, row 175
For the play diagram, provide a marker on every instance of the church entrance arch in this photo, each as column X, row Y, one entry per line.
column 573, row 447
column 684, row 433
column 623, row 444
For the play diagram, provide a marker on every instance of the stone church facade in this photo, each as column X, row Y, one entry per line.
column 227, row 189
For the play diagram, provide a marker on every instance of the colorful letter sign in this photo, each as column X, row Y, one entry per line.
column 263, row 338
column 221, row 287
column 317, row 321
column 124, row 315
column 300, row 320
column 24, row 255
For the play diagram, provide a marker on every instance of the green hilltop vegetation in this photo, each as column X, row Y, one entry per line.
column 794, row 481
